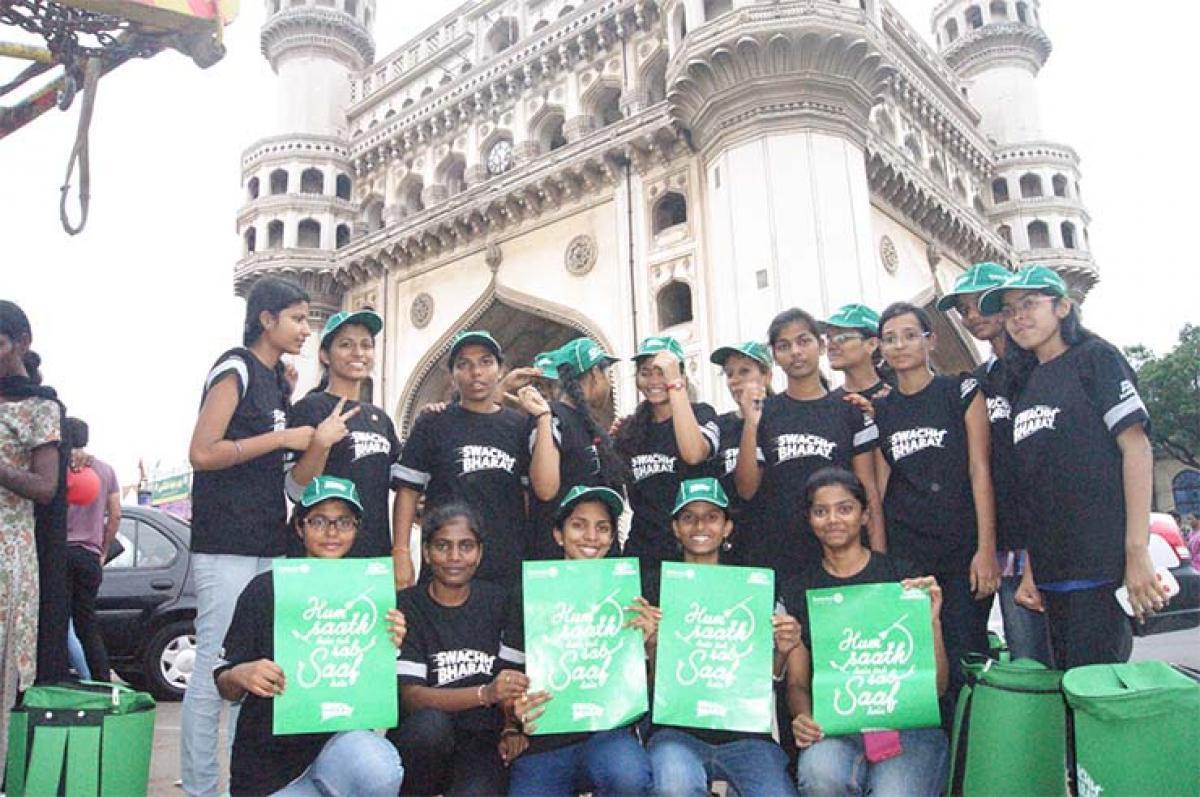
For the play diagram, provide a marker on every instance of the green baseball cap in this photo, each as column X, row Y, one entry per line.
column 706, row 489
column 368, row 318
column 979, row 278
column 546, row 363
column 1031, row 278
column 656, row 343
column 322, row 488
column 476, row 336
column 581, row 492
column 855, row 316
column 751, row 348
column 584, row 354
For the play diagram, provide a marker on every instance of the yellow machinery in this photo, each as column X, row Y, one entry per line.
column 85, row 39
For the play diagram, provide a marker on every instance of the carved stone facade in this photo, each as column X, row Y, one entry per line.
column 619, row 168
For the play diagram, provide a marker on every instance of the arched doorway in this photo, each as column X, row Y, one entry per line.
column 522, row 333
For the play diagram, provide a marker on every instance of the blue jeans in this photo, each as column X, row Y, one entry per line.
column 219, row 579
column 607, row 763
column 351, row 763
column 1025, row 630
column 837, row 766
column 685, row 765
column 75, row 654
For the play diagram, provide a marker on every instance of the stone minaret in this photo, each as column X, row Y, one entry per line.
column 298, row 202
column 998, row 47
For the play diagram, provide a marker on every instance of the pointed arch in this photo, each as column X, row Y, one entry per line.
column 564, row 324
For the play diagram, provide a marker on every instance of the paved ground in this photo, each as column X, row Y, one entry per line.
column 1182, row 647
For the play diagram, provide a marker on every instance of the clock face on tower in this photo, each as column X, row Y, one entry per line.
column 500, row 157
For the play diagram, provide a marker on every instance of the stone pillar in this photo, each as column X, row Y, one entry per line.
column 787, row 221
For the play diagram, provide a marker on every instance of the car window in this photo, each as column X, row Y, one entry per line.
column 153, row 548
column 140, row 545
column 122, row 548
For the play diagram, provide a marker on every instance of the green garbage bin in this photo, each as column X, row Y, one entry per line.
column 1009, row 731
column 1135, row 729
column 89, row 739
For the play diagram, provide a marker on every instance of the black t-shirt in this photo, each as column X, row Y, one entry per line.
column 880, row 569
column 450, row 647
column 798, row 438
column 870, row 394
column 1010, row 533
column 481, row 459
column 579, row 463
column 262, row 762
column 928, row 505
column 365, row 456
column 746, row 515
column 656, row 471
column 241, row 510
column 1065, row 424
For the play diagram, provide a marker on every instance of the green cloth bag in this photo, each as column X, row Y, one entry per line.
column 1010, row 731
column 1135, row 727
column 82, row 739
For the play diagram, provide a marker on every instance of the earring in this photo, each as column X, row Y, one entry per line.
column 727, row 545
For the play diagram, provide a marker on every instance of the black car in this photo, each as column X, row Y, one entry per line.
column 146, row 606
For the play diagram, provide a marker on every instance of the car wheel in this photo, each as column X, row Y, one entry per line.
column 169, row 660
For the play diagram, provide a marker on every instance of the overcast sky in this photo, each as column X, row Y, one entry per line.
column 129, row 315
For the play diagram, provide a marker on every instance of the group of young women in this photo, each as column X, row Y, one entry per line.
column 955, row 481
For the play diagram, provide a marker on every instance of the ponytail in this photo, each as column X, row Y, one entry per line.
column 33, row 363
column 612, row 470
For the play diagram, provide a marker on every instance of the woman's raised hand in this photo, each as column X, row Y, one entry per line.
column 331, row 430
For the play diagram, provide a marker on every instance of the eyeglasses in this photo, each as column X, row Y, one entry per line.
column 323, row 525
column 843, row 338
column 1023, row 307
column 896, row 341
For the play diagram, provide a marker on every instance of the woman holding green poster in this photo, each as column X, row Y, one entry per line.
column 604, row 762
column 327, row 518
column 685, row 761
column 911, row 762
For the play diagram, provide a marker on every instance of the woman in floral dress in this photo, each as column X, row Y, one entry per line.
column 29, row 433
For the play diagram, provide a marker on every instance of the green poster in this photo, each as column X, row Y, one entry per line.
column 577, row 646
column 331, row 639
column 715, row 645
column 873, row 660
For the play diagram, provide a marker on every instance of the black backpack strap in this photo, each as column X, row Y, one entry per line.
column 959, row 739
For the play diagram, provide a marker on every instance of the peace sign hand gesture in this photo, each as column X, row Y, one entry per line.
column 331, row 430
